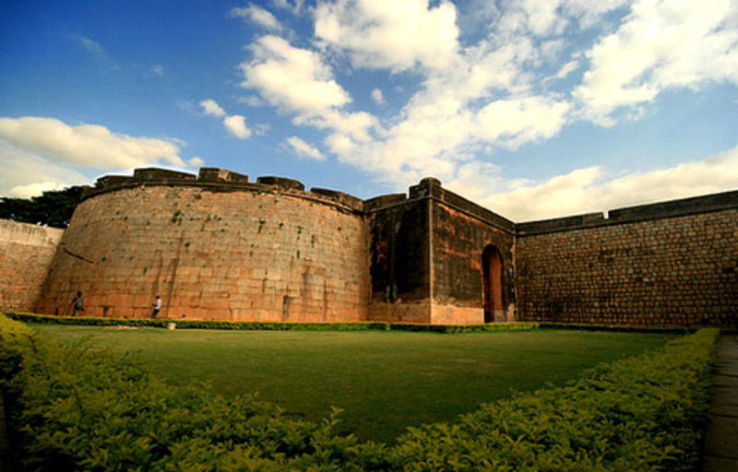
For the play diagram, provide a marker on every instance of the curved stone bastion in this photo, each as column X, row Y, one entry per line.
column 213, row 246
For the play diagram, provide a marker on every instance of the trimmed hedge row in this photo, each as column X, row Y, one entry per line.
column 644, row 413
column 273, row 325
column 617, row 328
column 474, row 328
column 77, row 408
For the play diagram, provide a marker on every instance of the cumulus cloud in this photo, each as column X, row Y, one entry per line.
column 594, row 188
column 36, row 188
column 303, row 149
column 378, row 96
column 25, row 175
column 211, row 107
column 236, row 126
column 517, row 121
column 291, row 78
column 662, row 44
column 388, row 33
column 257, row 15
column 493, row 90
column 87, row 145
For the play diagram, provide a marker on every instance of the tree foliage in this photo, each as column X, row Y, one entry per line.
column 52, row 208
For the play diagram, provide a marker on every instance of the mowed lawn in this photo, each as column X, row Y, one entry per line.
column 384, row 381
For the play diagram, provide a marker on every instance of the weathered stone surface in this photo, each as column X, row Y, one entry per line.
column 214, row 174
column 218, row 247
column 26, row 252
column 281, row 182
column 246, row 255
column 400, row 259
column 459, row 239
column 664, row 272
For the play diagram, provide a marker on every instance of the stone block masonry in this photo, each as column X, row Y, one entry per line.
column 647, row 267
column 255, row 252
column 216, row 246
column 26, row 252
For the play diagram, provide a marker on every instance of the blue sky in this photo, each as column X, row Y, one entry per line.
column 534, row 109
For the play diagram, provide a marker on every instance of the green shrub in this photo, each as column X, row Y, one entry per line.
column 201, row 324
column 617, row 328
column 78, row 408
column 473, row 328
column 641, row 413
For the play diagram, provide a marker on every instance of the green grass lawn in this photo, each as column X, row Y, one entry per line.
column 384, row 381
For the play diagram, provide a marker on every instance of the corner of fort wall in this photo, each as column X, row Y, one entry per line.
column 26, row 252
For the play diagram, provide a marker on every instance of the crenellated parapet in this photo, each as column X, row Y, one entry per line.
column 222, row 180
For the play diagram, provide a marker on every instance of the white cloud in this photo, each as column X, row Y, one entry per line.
column 23, row 173
column 96, row 50
column 303, row 149
column 357, row 125
column 92, row 46
column 567, row 69
column 294, row 7
column 478, row 97
column 211, row 107
column 388, row 33
column 34, row 189
column 378, row 96
column 257, row 15
column 157, row 69
column 594, row 189
column 236, row 125
column 196, row 161
column 518, row 121
column 291, row 78
column 662, row 44
column 87, row 145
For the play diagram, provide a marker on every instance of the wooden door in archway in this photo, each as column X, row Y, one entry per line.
column 492, row 280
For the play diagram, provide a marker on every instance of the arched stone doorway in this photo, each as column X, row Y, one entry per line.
column 492, row 280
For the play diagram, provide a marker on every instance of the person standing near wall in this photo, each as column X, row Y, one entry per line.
column 77, row 304
column 157, row 307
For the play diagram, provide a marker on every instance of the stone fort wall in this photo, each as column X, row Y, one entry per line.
column 26, row 252
column 215, row 247
column 673, row 263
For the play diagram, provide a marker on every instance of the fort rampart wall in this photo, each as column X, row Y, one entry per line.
column 216, row 246
column 213, row 247
column 26, row 252
column 673, row 263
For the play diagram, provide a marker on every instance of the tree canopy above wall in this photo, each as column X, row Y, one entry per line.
column 52, row 208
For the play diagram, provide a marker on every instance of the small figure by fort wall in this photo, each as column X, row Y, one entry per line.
column 26, row 252
column 215, row 247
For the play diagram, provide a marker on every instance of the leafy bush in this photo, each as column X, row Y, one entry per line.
column 473, row 328
column 78, row 408
column 642, row 413
column 202, row 324
column 274, row 325
column 617, row 328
